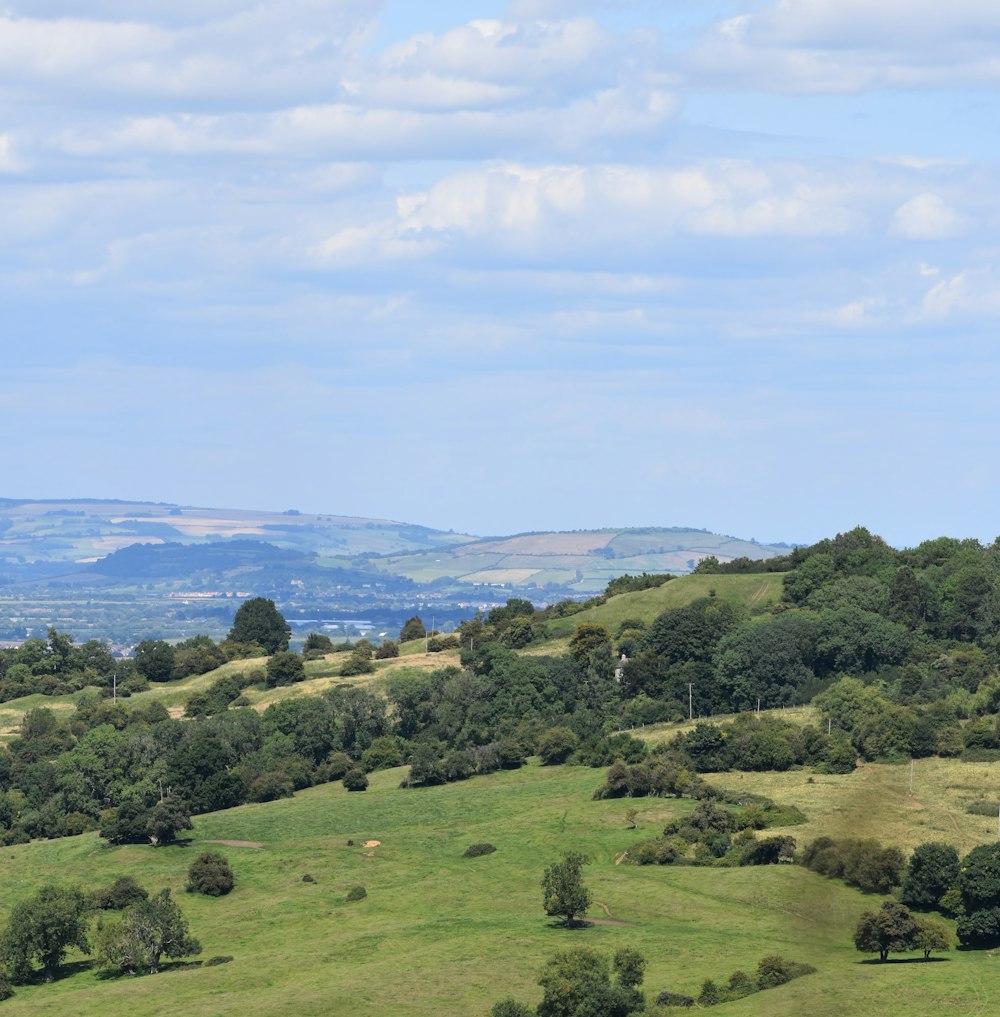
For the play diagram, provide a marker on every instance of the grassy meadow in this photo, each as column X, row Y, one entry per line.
column 752, row 590
column 446, row 936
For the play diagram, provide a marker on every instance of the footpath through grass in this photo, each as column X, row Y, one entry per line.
column 446, row 936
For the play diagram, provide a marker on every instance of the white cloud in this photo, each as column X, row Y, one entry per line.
column 970, row 293
column 926, row 217
column 9, row 162
column 855, row 45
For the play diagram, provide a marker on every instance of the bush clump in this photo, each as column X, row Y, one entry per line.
column 210, row 874
column 674, row 999
column 218, row 959
column 356, row 780
column 475, row 850
column 355, row 893
column 118, row 895
column 982, row 808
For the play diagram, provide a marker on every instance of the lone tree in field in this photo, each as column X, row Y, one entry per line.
column 259, row 621
column 892, row 928
column 42, row 928
column 565, row 894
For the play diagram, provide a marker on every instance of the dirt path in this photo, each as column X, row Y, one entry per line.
column 237, row 843
column 604, row 921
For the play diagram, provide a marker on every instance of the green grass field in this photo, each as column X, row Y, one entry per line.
column 442, row 935
column 752, row 590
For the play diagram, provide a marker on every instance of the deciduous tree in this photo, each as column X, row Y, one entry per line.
column 892, row 928
column 41, row 929
column 259, row 621
column 565, row 894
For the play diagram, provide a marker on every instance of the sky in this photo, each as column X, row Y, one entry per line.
column 504, row 266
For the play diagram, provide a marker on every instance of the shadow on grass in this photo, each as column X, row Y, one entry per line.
column 905, row 960
column 165, row 966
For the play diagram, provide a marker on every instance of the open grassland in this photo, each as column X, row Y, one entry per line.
column 801, row 715
column 646, row 605
column 442, row 935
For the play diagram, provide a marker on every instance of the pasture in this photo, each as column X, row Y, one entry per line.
column 442, row 935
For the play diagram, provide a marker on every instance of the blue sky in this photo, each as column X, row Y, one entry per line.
column 549, row 264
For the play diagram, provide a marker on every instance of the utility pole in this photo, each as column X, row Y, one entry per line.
column 829, row 724
column 911, row 776
column 114, row 686
column 758, row 706
column 690, row 701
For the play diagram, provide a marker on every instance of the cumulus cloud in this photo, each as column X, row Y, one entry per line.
column 926, row 217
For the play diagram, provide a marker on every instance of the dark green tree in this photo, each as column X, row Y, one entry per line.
column 355, row 780
column 931, row 872
column 579, row 983
column 318, row 642
column 166, row 819
column 413, row 629
column 154, row 660
column 259, row 621
column 285, row 668
column 565, row 895
column 892, row 928
column 979, row 884
column 42, row 929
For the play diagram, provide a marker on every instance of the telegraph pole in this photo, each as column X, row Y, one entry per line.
column 690, row 701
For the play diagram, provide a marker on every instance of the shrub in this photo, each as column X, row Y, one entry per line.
column 355, row 780
column 387, row 649
column 270, row 786
column 438, row 643
column 556, row 745
column 740, row 985
column 118, row 895
column 772, row 970
column 6, row 989
column 210, row 874
column 285, row 668
column 337, row 764
column 475, row 850
column 356, row 893
column 674, row 999
column 308, row 879
column 359, row 662
column 983, row 808
column 218, row 959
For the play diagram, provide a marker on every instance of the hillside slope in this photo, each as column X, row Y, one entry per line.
column 439, row 935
